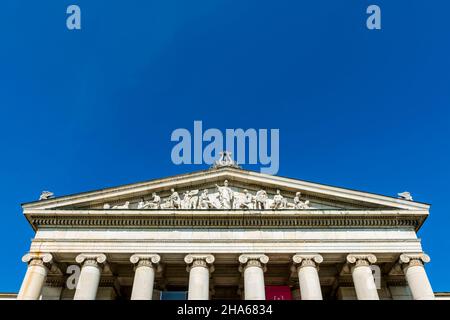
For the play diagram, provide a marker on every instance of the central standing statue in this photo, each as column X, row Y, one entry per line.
column 225, row 195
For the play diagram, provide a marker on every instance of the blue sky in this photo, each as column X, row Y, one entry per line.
column 93, row 108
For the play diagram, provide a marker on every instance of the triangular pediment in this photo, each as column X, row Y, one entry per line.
column 244, row 188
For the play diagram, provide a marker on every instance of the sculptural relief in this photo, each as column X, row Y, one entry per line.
column 225, row 195
column 261, row 199
column 126, row 205
column 204, row 201
column 224, row 198
column 174, row 200
column 298, row 203
column 190, row 200
column 278, row 201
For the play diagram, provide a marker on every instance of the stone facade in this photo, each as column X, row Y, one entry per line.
column 226, row 233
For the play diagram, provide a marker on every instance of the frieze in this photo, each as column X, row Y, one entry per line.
column 247, row 219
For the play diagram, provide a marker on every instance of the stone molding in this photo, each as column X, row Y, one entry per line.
column 358, row 259
column 250, row 219
column 199, row 260
column 307, row 260
column 253, row 260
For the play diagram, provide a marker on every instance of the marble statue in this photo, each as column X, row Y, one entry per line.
column 278, row 201
column 46, row 195
column 298, row 203
column 261, row 199
column 225, row 195
column 405, row 196
column 190, row 200
column 126, row 205
column 224, row 198
column 174, row 200
column 204, row 202
column 225, row 160
column 155, row 203
column 142, row 204
column 248, row 200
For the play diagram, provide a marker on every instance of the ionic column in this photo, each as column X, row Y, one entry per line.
column 253, row 267
column 38, row 266
column 144, row 275
column 199, row 268
column 416, row 276
column 362, row 276
column 308, row 276
column 91, row 269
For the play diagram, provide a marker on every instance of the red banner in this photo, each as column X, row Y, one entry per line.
column 278, row 293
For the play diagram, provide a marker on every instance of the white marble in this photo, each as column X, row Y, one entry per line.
column 362, row 276
column 199, row 268
column 416, row 276
column 35, row 276
column 89, row 280
column 308, row 275
column 144, row 275
column 253, row 267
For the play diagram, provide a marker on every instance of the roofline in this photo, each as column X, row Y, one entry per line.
column 182, row 175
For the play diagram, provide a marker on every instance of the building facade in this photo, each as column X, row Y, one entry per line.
column 226, row 233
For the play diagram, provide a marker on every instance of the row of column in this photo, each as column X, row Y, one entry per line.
column 200, row 266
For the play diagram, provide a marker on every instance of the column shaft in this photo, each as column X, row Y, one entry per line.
column 35, row 276
column 144, row 276
column 198, row 284
column 89, row 279
column 254, row 288
column 308, row 275
column 33, row 283
column 364, row 283
column 199, row 268
column 309, row 282
column 253, row 267
column 88, row 283
column 416, row 276
column 362, row 275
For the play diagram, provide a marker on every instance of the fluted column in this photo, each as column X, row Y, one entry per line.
column 144, row 275
column 416, row 276
column 91, row 269
column 199, row 268
column 253, row 266
column 362, row 276
column 38, row 266
column 308, row 276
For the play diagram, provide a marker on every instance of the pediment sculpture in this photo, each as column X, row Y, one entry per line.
column 224, row 198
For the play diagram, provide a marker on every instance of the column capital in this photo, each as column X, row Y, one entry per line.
column 413, row 259
column 307, row 260
column 361, row 259
column 91, row 259
column 147, row 260
column 38, row 259
column 253, row 260
column 199, row 260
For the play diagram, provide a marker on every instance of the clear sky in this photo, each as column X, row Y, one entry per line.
column 94, row 108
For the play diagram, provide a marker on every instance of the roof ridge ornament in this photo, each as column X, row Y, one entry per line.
column 46, row 195
column 225, row 160
column 405, row 196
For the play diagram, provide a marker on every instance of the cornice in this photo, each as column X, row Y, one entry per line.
column 226, row 219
